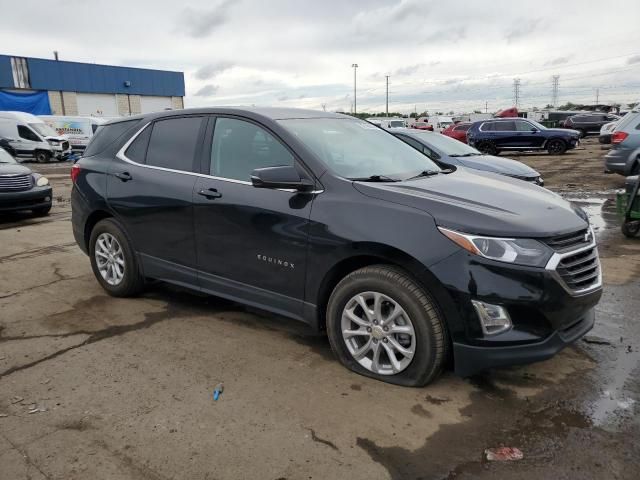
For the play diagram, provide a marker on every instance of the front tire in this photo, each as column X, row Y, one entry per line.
column 556, row 147
column 383, row 325
column 42, row 157
column 113, row 260
column 630, row 229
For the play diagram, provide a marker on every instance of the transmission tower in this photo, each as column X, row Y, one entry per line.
column 516, row 92
column 554, row 91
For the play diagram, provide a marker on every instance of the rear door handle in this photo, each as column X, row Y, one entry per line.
column 124, row 176
column 210, row 193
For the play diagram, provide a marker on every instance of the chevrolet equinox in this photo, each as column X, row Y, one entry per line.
column 334, row 222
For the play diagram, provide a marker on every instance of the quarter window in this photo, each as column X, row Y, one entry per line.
column 137, row 151
column 28, row 134
column 239, row 147
column 173, row 143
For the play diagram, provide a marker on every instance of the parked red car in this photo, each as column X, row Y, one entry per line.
column 423, row 126
column 457, row 131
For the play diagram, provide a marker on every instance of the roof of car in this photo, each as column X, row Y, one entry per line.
column 273, row 113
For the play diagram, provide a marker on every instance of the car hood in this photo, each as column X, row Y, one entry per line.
column 13, row 169
column 59, row 138
column 482, row 203
column 504, row 166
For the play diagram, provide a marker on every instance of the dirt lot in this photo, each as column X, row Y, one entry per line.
column 95, row 387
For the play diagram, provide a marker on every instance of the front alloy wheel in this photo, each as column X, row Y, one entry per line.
column 378, row 333
column 109, row 259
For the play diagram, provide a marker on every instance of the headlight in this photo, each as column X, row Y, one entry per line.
column 519, row 251
column 42, row 181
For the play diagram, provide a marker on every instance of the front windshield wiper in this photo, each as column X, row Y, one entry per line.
column 470, row 154
column 375, row 178
column 426, row 173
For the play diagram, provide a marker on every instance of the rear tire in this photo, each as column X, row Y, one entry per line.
column 556, row 147
column 417, row 333
column 631, row 229
column 488, row 148
column 113, row 260
column 583, row 132
column 42, row 157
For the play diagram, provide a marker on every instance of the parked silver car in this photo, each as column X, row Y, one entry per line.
column 624, row 156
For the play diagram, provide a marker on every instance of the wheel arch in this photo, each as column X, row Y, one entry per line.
column 91, row 222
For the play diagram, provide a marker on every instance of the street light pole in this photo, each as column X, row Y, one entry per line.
column 355, row 67
column 387, row 104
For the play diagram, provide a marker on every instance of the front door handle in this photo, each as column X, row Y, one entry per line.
column 210, row 193
column 124, row 176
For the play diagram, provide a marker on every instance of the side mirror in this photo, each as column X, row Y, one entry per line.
column 285, row 176
column 534, row 130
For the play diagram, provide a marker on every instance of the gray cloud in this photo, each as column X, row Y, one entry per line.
column 558, row 61
column 207, row 91
column 408, row 70
column 633, row 59
column 522, row 28
column 201, row 23
column 282, row 98
column 446, row 35
column 211, row 70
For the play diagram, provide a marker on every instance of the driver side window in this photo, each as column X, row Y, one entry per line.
column 239, row 147
column 524, row 126
column 27, row 134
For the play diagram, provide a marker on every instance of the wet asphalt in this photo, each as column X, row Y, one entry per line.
column 97, row 387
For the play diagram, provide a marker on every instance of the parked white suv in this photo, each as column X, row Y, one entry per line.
column 30, row 137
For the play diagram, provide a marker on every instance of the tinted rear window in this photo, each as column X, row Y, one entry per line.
column 138, row 148
column 173, row 143
column 106, row 135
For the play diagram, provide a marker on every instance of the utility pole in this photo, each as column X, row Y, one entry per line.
column 387, row 108
column 516, row 92
column 355, row 68
column 486, row 106
column 597, row 95
column 554, row 90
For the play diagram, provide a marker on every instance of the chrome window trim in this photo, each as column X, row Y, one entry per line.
column 121, row 155
column 555, row 259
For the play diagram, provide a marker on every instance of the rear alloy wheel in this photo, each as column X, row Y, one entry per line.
column 556, row 147
column 383, row 325
column 42, row 157
column 113, row 260
column 488, row 148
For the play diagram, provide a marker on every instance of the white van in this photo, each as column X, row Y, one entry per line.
column 439, row 123
column 78, row 130
column 30, row 137
column 388, row 122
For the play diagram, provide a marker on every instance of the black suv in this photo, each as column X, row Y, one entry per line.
column 334, row 222
column 589, row 122
column 498, row 134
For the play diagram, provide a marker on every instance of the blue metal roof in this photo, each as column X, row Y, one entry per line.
column 91, row 78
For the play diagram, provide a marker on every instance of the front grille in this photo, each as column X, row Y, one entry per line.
column 581, row 270
column 570, row 241
column 65, row 146
column 15, row 183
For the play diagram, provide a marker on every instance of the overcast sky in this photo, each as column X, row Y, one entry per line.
column 453, row 55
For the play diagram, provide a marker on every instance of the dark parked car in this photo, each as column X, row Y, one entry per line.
column 449, row 152
column 499, row 134
column 587, row 123
column 335, row 222
column 21, row 189
column 5, row 144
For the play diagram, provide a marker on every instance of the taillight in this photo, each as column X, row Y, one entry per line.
column 75, row 171
column 619, row 137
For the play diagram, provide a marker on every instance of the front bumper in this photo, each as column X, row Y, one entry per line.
column 545, row 314
column 37, row 197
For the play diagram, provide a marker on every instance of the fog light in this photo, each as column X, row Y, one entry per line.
column 494, row 319
column 47, row 199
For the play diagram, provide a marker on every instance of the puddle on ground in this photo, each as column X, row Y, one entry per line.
column 601, row 209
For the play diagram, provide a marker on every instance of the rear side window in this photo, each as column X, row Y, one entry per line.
column 137, row 151
column 106, row 135
column 173, row 143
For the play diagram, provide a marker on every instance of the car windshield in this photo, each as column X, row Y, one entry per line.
column 5, row 157
column 356, row 149
column 44, row 129
column 447, row 145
